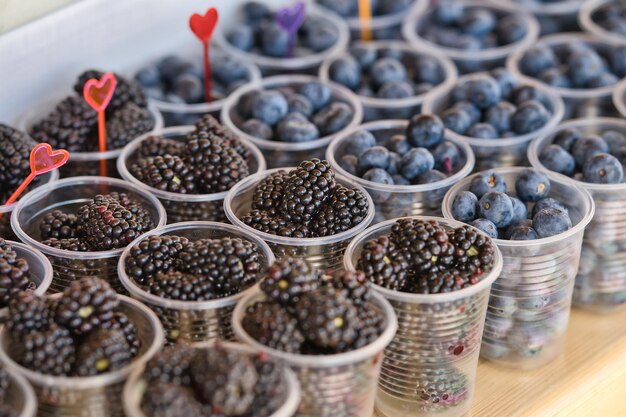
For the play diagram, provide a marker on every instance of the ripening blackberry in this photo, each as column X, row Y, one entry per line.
column 28, row 313
column 15, row 149
column 271, row 325
column 72, row 244
column 122, row 323
column 343, row 210
column 353, row 285
column 126, row 124
column 57, row 225
column 48, row 351
column 307, row 187
column 102, row 351
column 158, row 146
column 126, row 91
column 165, row 173
column 275, row 225
column 288, row 279
column 474, row 252
column 171, row 365
column 383, row 263
column 152, row 255
column 177, row 285
column 269, row 192
column 162, row 399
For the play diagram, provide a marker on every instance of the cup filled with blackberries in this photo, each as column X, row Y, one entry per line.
column 390, row 77
column 82, row 224
column 538, row 223
column 193, row 380
column 190, row 168
column 436, row 273
column 605, row 19
column 330, row 328
column 303, row 212
column 192, row 274
column 175, row 84
column 17, row 397
column 497, row 114
column 477, row 35
column 405, row 166
column 593, row 153
column 78, row 347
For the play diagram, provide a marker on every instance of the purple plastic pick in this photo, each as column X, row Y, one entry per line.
column 290, row 19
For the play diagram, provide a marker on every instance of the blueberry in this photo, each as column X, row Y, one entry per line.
column 269, row 107
column 555, row 77
column 529, row 117
column 588, row 147
column 364, row 55
column 603, row 80
column 346, row 71
column 431, row 176
column 496, row 207
column 359, row 141
column 448, row 12
column 390, row 52
column 149, row 76
column 257, row 129
column 395, row 90
column 170, row 67
column 617, row 57
column 549, row 222
column 505, row 79
column 459, row 93
column 416, row 162
column 321, row 36
column 483, row 92
column 457, row 120
column 319, row 94
column 485, row 182
column 521, row 223
column 255, row 11
column 520, row 211
column 348, row 162
column 227, row 70
column 465, row 206
column 398, row 144
column 378, row 175
column 189, row 88
column 400, row 180
column 447, row 156
column 548, row 202
column 427, row 69
column 387, row 69
column 616, row 25
column 296, row 128
column 333, row 118
column 584, row 66
column 566, row 138
column 424, row 130
column 525, row 93
column 482, row 131
column 274, row 40
column 523, row 233
column 499, row 116
column 532, row 186
column 394, row 163
column 510, row 29
column 391, row 6
column 537, row 59
column 614, row 139
column 241, row 37
column 374, row 157
column 472, row 111
column 246, row 103
column 486, row 227
column 300, row 104
column 477, row 22
column 603, row 169
column 620, row 154
column 558, row 160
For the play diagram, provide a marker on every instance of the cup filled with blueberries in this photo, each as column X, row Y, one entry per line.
column 605, row 19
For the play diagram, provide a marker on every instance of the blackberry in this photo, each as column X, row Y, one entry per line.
column 441, row 282
column 15, row 149
column 474, row 253
column 72, row 244
column 158, row 146
column 127, row 123
column 58, row 225
column 126, row 91
column 271, row 390
column 278, row 225
column 122, row 323
column 86, row 304
column 370, row 325
column 442, row 388
column 171, row 365
column 14, row 278
column 354, row 286
column 345, row 209
column 269, row 192
column 307, row 187
column 102, row 351
column 424, row 243
column 383, row 263
column 162, row 399
column 165, row 173
column 28, row 313
column 48, row 351
column 271, row 325
column 288, row 279
column 208, row 124
column 176, row 285
column 154, row 254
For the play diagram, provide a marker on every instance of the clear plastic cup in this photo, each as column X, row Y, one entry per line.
column 601, row 280
column 437, row 342
column 69, row 194
column 324, row 253
column 299, row 63
column 94, row 396
column 493, row 153
column 135, row 386
column 20, row 396
column 281, row 154
column 530, row 302
column 184, row 207
column 553, row 16
column 579, row 102
column 342, row 384
column 474, row 60
column 194, row 321
column 394, row 201
column 619, row 97
column 588, row 24
column 375, row 108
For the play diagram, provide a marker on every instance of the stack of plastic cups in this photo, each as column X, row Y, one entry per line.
column 430, row 366
column 20, row 396
column 136, row 386
column 588, row 24
column 278, row 153
column 184, row 207
column 619, row 97
column 194, row 321
column 553, row 16
column 94, row 396
column 601, row 279
column 394, row 201
column 342, row 384
column 375, row 108
column 500, row 152
column 69, row 194
column 469, row 60
column 530, row 302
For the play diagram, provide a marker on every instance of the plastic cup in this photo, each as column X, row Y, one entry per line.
column 619, row 97
column 135, row 387
column 375, row 108
column 324, row 253
column 437, row 342
column 184, row 207
column 342, row 384
column 553, row 16
column 466, row 60
column 69, row 194
column 493, row 153
column 299, row 63
column 394, row 201
column 93, row 396
column 588, row 24
column 579, row 102
column 194, row 321
column 530, row 302
column 601, row 280
column 281, row 154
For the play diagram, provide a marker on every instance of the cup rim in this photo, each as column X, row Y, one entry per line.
column 575, row 229
column 132, row 146
column 293, row 241
column 289, row 79
column 41, row 192
column 588, row 24
column 144, row 296
column 619, row 93
column 418, row 188
column 30, row 399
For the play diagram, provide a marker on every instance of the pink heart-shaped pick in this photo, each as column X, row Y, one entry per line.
column 291, row 18
column 43, row 159
column 98, row 93
column 203, row 26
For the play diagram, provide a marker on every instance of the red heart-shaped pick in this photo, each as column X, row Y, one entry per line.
column 98, row 93
column 43, row 159
column 203, row 26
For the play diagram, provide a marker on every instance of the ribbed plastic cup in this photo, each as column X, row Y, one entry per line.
column 437, row 343
column 184, row 207
column 619, row 97
column 530, row 302
column 375, row 108
column 298, row 64
column 343, row 384
column 493, row 153
column 281, row 154
column 475, row 60
column 601, row 279
column 324, row 253
column 579, row 102
column 94, row 396
column 194, row 321
column 136, row 386
column 20, row 396
column 394, row 201
column 588, row 24
column 69, row 194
